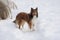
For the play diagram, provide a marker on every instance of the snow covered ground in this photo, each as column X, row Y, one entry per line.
column 48, row 25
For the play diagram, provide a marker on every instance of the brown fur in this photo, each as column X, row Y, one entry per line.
column 23, row 17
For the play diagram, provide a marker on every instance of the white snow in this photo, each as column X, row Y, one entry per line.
column 48, row 24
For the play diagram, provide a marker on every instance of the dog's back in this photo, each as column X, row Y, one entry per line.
column 22, row 16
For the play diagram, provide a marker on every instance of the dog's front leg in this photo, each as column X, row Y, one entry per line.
column 33, row 26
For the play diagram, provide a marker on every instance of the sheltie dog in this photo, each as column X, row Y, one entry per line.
column 23, row 17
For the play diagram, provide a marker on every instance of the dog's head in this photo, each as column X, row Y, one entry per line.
column 34, row 12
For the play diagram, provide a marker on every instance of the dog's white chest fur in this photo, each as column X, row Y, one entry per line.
column 34, row 20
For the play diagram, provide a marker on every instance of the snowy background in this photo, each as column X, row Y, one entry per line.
column 48, row 25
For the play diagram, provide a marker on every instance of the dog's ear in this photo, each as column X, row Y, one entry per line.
column 36, row 8
column 31, row 9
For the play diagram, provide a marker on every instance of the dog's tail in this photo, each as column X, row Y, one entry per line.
column 14, row 21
